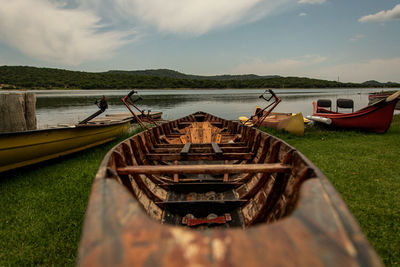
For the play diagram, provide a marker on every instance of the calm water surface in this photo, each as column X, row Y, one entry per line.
column 71, row 106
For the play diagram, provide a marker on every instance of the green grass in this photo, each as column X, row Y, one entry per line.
column 365, row 169
column 43, row 206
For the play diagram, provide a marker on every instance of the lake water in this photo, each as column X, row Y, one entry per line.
column 71, row 106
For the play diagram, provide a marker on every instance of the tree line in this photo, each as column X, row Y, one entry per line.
column 23, row 77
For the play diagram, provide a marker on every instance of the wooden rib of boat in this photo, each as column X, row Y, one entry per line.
column 19, row 149
column 204, row 191
column 376, row 117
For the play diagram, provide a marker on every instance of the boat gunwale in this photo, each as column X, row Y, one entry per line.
column 57, row 128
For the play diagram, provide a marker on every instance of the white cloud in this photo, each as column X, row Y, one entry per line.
column 75, row 31
column 357, row 37
column 316, row 66
column 47, row 31
column 311, row 1
column 303, row 14
column 194, row 17
column 393, row 14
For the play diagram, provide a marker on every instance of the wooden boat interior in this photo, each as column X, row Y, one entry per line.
column 202, row 171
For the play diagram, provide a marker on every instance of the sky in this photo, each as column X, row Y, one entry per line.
column 345, row 40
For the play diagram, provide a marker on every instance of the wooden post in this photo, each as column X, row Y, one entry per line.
column 30, row 110
column 12, row 112
column 17, row 112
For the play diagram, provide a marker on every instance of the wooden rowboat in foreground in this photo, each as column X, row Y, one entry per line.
column 203, row 191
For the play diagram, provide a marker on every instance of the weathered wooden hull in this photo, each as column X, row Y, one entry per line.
column 376, row 118
column 24, row 148
column 282, row 210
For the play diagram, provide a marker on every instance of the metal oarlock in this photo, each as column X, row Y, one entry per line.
column 129, row 100
column 102, row 104
column 260, row 115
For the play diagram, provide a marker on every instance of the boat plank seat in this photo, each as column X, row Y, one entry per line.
column 199, row 135
column 194, row 149
column 233, row 201
column 174, row 135
column 185, row 149
column 200, row 185
column 188, row 123
column 216, row 148
column 205, row 169
column 236, row 144
column 202, row 207
column 199, row 156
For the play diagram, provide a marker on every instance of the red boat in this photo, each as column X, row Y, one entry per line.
column 376, row 117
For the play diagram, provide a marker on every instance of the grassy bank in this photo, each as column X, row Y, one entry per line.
column 43, row 207
column 365, row 169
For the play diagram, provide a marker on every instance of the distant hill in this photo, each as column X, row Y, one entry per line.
column 179, row 75
column 379, row 84
column 372, row 83
column 25, row 77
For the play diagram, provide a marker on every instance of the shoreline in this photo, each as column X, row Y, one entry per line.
column 189, row 89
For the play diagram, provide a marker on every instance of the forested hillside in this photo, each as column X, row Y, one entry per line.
column 46, row 78
column 179, row 75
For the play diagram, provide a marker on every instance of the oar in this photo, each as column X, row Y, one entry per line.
column 393, row 96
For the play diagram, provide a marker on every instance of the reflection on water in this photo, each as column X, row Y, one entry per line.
column 70, row 106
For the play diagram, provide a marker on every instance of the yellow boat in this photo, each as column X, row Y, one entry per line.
column 290, row 122
column 24, row 148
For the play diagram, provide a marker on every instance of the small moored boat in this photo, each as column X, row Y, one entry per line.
column 18, row 149
column 376, row 117
column 204, row 191
column 25, row 148
column 290, row 122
